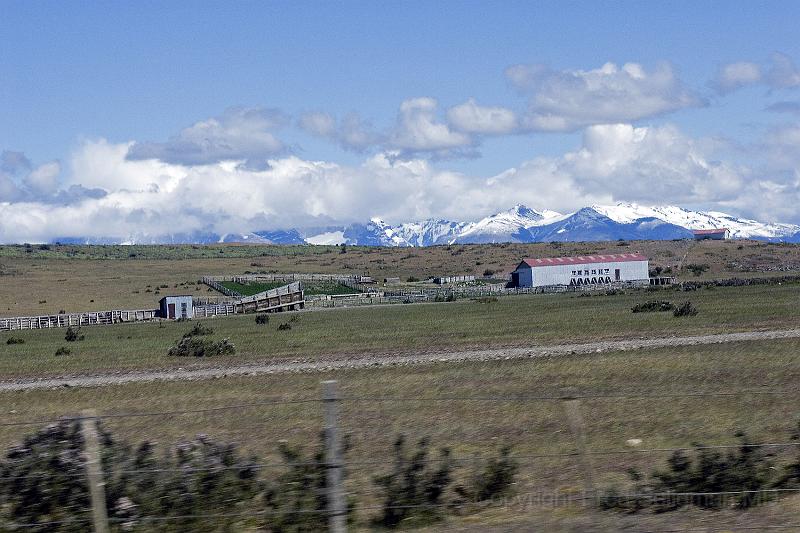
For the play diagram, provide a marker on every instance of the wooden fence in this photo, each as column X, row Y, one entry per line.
column 77, row 319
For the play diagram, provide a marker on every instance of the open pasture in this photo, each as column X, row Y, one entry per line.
column 482, row 407
column 508, row 321
column 37, row 281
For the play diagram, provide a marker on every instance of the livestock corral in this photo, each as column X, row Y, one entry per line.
column 485, row 405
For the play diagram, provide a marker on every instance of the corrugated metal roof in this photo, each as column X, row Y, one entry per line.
column 709, row 231
column 583, row 260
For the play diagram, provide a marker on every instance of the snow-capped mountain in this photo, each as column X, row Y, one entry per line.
column 518, row 224
column 509, row 226
column 740, row 228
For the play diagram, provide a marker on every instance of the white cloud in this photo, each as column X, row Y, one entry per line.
column 108, row 195
column 418, row 129
column 779, row 72
column 470, row 117
column 735, row 75
column 238, row 134
column 43, row 180
column 352, row 132
column 571, row 99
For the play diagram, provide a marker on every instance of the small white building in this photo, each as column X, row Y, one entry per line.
column 582, row 270
column 176, row 307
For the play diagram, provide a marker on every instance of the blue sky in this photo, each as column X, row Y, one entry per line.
column 383, row 91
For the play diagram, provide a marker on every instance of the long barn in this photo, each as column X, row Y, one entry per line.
column 582, row 270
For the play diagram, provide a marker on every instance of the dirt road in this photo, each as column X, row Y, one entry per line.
column 322, row 364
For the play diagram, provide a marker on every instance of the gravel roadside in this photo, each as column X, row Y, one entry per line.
column 386, row 360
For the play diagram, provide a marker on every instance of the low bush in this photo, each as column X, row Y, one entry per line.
column 63, row 350
column 485, row 299
column 199, row 329
column 414, row 489
column 195, row 347
column 496, row 478
column 685, row 309
column 262, row 319
column 705, row 478
column 488, row 273
column 284, row 327
column 15, row 340
column 653, row 306
column 73, row 335
column 696, row 269
column 412, row 279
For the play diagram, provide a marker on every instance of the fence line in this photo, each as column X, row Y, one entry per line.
column 332, row 461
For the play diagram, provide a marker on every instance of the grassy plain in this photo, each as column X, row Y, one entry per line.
column 512, row 320
column 92, row 278
column 479, row 427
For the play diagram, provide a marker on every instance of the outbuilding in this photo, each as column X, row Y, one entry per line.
column 176, row 307
column 718, row 234
column 581, row 270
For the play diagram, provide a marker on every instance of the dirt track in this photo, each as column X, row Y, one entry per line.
column 371, row 361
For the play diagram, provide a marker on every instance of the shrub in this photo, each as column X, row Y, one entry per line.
column 15, row 340
column 485, row 299
column 262, row 319
column 488, row 273
column 194, row 347
column 701, row 477
column 685, row 309
column 284, row 327
column 301, row 488
column 696, row 269
column 412, row 279
column 198, row 330
column 653, row 306
column 73, row 335
column 63, row 350
column 43, row 479
column 495, row 479
column 414, row 489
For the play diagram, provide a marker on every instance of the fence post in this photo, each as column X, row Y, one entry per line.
column 337, row 513
column 94, row 471
column 572, row 407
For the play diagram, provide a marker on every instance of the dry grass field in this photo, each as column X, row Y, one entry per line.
column 473, row 408
column 93, row 278
column 386, row 402
column 509, row 321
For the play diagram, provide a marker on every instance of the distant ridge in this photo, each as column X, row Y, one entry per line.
column 519, row 224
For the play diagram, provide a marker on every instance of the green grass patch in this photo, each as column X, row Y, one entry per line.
column 249, row 289
column 511, row 320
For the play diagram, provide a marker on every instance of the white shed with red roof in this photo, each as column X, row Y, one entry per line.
column 581, row 270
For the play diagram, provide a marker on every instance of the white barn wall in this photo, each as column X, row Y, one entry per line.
column 562, row 274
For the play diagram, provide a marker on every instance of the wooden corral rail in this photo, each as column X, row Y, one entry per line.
column 289, row 297
column 77, row 319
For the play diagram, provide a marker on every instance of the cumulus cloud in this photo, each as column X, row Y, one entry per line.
column 779, row 72
column 736, row 75
column 20, row 181
column 240, row 133
column 13, row 162
column 567, row 100
column 351, row 133
column 470, row 117
column 108, row 195
column 419, row 130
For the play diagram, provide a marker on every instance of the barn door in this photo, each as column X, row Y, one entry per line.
column 171, row 311
column 616, row 274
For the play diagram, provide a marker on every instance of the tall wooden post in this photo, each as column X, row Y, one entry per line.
column 572, row 407
column 337, row 513
column 94, row 471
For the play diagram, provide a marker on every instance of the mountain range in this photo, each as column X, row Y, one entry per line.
column 519, row 224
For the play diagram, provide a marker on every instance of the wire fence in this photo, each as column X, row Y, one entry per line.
column 335, row 462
